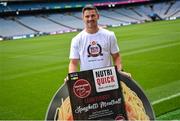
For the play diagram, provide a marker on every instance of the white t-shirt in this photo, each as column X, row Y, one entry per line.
column 94, row 50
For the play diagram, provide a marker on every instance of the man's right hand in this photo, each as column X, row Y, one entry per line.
column 128, row 75
column 65, row 79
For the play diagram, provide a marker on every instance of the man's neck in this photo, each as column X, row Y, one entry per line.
column 92, row 30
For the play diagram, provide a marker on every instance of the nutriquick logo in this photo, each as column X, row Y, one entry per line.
column 105, row 79
column 82, row 88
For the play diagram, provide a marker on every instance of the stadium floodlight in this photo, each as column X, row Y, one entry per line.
column 3, row 3
column 17, row 12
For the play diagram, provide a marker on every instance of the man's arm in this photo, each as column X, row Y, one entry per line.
column 117, row 61
column 73, row 65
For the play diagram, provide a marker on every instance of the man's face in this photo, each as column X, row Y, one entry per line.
column 90, row 18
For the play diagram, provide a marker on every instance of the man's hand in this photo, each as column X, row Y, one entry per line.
column 126, row 74
column 65, row 79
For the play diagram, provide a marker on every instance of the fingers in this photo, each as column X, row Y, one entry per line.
column 65, row 79
column 125, row 74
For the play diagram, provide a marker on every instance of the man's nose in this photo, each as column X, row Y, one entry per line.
column 90, row 18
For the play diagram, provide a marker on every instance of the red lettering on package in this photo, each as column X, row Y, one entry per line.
column 82, row 88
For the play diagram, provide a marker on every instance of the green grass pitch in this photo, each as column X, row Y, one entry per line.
column 31, row 70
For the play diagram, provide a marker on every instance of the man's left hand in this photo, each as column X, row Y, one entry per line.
column 126, row 74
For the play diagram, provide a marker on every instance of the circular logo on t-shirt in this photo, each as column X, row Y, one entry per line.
column 82, row 88
column 94, row 49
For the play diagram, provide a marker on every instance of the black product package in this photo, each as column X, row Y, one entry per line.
column 96, row 95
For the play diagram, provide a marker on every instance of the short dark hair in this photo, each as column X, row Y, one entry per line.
column 89, row 7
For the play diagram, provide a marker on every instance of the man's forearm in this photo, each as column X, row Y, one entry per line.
column 73, row 66
column 117, row 61
column 118, row 64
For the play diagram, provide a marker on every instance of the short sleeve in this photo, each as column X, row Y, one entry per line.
column 74, row 53
column 114, row 44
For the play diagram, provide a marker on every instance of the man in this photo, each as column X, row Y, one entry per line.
column 94, row 46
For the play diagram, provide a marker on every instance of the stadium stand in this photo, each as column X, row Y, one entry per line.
column 67, row 20
column 10, row 27
column 42, row 24
column 143, row 12
column 104, row 20
column 160, row 9
column 129, row 13
column 119, row 15
column 174, row 10
column 67, row 17
column 2, row 8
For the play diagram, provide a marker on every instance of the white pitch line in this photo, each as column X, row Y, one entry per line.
column 166, row 98
column 150, row 49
